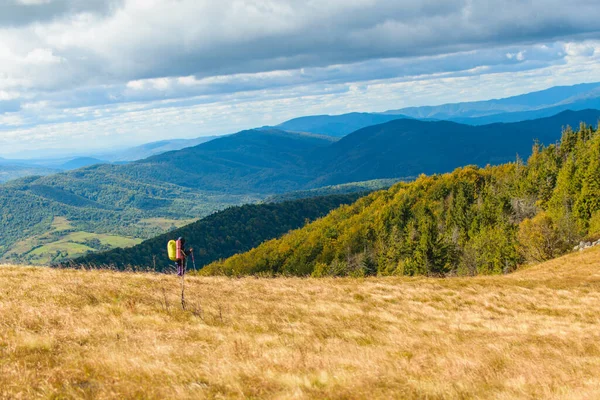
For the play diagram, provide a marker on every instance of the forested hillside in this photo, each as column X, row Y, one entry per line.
column 259, row 161
column 407, row 147
column 38, row 222
column 147, row 197
column 143, row 199
column 471, row 221
column 222, row 234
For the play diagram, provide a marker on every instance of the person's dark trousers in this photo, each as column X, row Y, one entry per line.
column 180, row 267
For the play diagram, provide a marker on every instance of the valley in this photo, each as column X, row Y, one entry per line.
column 220, row 235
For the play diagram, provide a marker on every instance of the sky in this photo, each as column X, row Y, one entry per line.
column 82, row 76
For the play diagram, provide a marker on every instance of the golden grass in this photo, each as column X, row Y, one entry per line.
column 78, row 334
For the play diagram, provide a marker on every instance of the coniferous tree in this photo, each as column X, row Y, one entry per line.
column 589, row 199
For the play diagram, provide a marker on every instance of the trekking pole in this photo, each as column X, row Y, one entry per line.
column 183, row 286
column 194, row 261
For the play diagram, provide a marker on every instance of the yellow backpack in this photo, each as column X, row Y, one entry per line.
column 172, row 250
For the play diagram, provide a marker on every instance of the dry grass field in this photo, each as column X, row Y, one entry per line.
column 92, row 334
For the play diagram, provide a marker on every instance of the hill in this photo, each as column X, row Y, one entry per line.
column 470, row 221
column 272, row 161
column 407, row 148
column 559, row 98
column 336, row 125
column 222, row 234
column 144, row 198
column 102, row 334
column 254, row 161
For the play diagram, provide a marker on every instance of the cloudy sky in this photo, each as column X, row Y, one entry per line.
column 96, row 74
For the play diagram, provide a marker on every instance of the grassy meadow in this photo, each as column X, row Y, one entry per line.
column 99, row 334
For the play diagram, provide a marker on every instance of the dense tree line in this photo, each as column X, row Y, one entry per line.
column 222, row 234
column 471, row 221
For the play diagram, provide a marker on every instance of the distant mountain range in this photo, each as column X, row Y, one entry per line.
column 407, row 148
column 251, row 165
column 182, row 179
column 154, row 148
column 556, row 99
column 17, row 168
column 268, row 161
column 529, row 106
column 336, row 125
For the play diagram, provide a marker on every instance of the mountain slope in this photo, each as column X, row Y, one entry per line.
column 137, row 200
column 222, row 234
column 342, row 189
column 267, row 161
column 405, row 148
column 336, row 125
column 247, row 167
column 528, row 106
column 470, row 221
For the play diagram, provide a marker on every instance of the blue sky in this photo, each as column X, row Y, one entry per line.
column 88, row 75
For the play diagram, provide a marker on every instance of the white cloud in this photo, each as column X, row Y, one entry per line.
column 33, row 2
column 120, row 125
column 520, row 56
column 161, row 38
column 42, row 57
column 104, row 62
column 11, row 120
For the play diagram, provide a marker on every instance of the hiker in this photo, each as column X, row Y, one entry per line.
column 178, row 253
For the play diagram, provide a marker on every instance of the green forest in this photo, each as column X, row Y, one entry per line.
column 471, row 221
column 30, row 206
column 231, row 231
